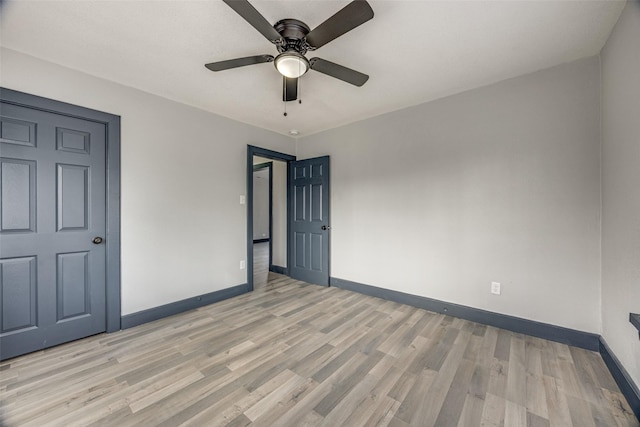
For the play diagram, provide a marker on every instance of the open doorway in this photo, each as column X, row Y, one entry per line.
column 262, row 220
column 269, row 219
column 267, row 214
column 307, row 224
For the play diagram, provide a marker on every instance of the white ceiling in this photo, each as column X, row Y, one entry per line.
column 414, row 51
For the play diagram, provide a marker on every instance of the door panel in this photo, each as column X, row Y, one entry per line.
column 316, row 255
column 52, row 204
column 73, row 285
column 309, row 182
column 19, row 186
column 72, row 198
column 18, row 276
column 19, row 132
column 300, row 198
column 315, row 208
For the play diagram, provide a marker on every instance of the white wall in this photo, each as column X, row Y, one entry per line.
column 621, row 188
column 501, row 183
column 183, row 170
column 261, row 204
column 279, row 245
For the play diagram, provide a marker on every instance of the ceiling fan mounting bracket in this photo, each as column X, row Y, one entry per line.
column 293, row 32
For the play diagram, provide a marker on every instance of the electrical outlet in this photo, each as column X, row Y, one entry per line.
column 242, row 199
column 495, row 288
column 243, row 264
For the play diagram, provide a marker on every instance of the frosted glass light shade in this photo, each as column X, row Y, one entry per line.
column 291, row 64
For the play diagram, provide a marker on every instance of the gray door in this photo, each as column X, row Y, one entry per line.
column 309, row 228
column 52, row 207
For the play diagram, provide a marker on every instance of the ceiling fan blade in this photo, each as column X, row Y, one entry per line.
column 238, row 62
column 289, row 89
column 253, row 17
column 338, row 71
column 355, row 13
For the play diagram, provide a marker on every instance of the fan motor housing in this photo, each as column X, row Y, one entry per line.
column 293, row 31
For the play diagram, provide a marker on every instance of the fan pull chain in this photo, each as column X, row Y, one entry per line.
column 299, row 84
column 284, row 100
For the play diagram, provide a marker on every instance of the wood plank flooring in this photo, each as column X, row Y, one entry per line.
column 293, row 354
column 260, row 265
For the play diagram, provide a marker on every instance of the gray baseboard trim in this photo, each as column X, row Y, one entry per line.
column 628, row 388
column 279, row 270
column 156, row 313
column 634, row 318
column 568, row 336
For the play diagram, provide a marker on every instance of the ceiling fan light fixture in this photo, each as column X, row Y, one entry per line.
column 291, row 64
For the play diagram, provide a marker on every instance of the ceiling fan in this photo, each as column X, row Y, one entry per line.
column 293, row 39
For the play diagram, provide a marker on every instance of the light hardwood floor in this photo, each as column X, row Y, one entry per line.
column 260, row 265
column 293, row 354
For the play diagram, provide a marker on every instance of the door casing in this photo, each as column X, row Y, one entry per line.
column 112, row 236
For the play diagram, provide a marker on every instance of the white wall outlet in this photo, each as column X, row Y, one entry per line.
column 242, row 199
column 495, row 288
column 243, row 264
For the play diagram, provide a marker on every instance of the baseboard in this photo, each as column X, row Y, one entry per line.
column 628, row 388
column 279, row 270
column 156, row 313
column 634, row 318
column 560, row 334
column 260, row 240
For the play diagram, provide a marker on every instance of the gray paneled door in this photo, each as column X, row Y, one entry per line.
column 309, row 228
column 52, row 208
